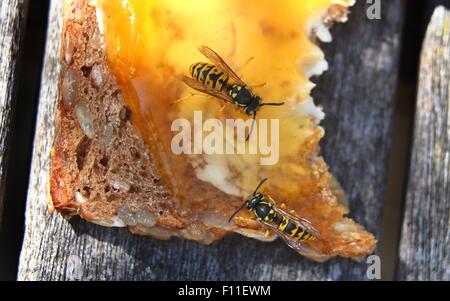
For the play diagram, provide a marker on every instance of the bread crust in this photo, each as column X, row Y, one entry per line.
column 100, row 167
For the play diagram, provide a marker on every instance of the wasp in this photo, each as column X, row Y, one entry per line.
column 219, row 80
column 293, row 230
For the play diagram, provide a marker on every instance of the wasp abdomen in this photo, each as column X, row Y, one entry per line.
column 289, row 227
column 210, row 75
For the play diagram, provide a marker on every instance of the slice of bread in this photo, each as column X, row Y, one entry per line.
column 102, row 170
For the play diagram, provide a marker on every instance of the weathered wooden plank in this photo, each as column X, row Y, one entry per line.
column 357, row 94
column 425, row 242
column 12, row 25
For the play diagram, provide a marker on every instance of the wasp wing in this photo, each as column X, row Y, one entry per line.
column 205, row 89
column 291, row 242
column 219, row 62
column 304, row 223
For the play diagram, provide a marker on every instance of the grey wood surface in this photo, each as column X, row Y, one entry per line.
column 12, row 25
column 425, row 237
column 358, row 96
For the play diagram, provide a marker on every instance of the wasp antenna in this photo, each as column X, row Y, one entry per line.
column 259, row 185
column 237, row 211
column 272, row 104
column 251, row 127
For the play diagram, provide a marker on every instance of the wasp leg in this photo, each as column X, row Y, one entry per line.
column 186, row 97
column 251, row 127
column 245, row 65
column 258, row 86
column 242, row 69
column 219, row 111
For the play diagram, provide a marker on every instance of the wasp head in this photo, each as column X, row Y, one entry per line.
column 254, row 200
column 253, row 106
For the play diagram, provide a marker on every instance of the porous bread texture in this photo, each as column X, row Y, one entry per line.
column 100, row 167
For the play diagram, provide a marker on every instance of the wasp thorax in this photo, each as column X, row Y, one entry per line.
column 241, row 95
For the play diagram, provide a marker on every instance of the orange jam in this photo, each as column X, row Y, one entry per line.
column 151, row 43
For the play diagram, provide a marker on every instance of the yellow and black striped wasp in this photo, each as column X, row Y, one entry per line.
column 219, row 80
column 293, row 230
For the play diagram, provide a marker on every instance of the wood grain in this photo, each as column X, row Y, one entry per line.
column 357, row 94
column 425, row 237
column 12, row 25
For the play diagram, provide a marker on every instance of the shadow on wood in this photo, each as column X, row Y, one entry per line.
column 12, row 27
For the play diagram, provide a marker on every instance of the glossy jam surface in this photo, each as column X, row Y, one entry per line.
column 151, row 43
